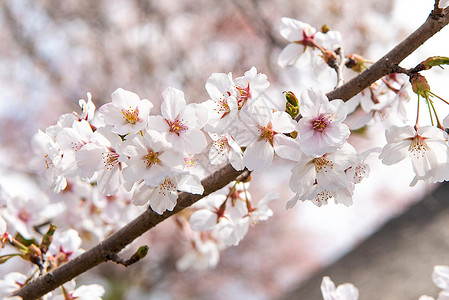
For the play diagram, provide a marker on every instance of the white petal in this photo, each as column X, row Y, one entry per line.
column 173, row 104
column 190, row 184
column 286, row 147
column 203, row 219
column 290, row 54
column 259, row 156
column 440, row 277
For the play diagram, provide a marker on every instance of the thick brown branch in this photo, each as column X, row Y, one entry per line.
column 384, row 66
column 219, row 179
column 121, row 238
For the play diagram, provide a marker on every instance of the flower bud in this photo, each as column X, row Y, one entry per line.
column 432, row 62
column 356, row 63
column 292, row 105
column 47, row 238
column 420, row 85
column 325, row 28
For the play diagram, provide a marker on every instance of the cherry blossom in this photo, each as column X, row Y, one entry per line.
column 223, row 149
column 320, row 129
column 151, row 159
column 346, row 291
column 47, row 160
column 360, row 169
column 301, row 37
column 222, row 107
column 164, row 196
column 88, row 108
column 313, row 176
column 65, row 246
column 426, row 147
column 126, row 113
column 70, row 140
column 305, row 43
column 250, row 86
column 100, row 157
column 440, row 277
column 203, row 254
column 268, row 131
column 11, row 282
column 179, row 122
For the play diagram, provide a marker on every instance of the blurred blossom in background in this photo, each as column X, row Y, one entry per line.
column 54, row 52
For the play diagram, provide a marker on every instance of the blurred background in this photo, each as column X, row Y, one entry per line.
column 53, row 52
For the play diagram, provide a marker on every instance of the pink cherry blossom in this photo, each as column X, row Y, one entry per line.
column 321, row 128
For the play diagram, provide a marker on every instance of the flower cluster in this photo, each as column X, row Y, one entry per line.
column 98, row 163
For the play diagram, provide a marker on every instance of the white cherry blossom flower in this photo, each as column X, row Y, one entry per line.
column 320, row 129
column 87, row 108
column 250, row 86
column 440, row 277
column 302, row 44
column 65, row 245
column 327, row 171
column 164, row 196
column 346, row 291
column 100, row 157
column 222, row 107
column 203, row 254
column 126, row 113
column 179, row 123
column 427, row 148
column 268, row 131
column 360, row 169
column 24, row 213
column 152, row 159
column 70, row 140
column 11, row 283
column 48, row 160
column 84, row 292
column 223, row 149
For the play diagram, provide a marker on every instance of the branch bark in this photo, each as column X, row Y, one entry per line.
column 384, row 66
column 149, row 219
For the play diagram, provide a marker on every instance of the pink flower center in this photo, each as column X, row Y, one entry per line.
column 320, row 123
column 307, row 40
column 24, row 215
column 131, row 115
column 151, row 158
column 177, row 126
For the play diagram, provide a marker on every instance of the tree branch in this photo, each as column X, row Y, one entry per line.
column 149, row 219
column 384, row 66
column 116, row 242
